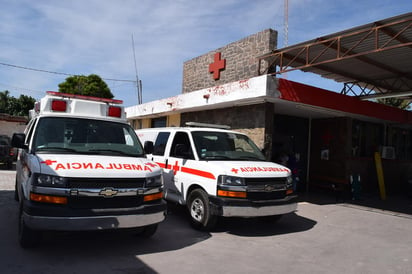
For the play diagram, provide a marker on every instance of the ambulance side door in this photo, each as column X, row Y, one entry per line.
column 180, row 157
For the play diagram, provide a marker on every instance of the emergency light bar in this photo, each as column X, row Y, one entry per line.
column 83, row 97
column 73, row 104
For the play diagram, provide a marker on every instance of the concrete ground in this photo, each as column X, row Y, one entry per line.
column 323, row 236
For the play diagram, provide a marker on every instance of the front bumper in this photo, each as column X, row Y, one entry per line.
column 61, row 219
column 245, row 208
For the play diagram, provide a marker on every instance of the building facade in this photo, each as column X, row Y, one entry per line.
column 328, row 138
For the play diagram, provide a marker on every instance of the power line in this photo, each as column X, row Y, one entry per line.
column 59, row 73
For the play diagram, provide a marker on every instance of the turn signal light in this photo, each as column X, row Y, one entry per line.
column 289, row 191
column 233, row 194
column 152, row 197
column 48, row 199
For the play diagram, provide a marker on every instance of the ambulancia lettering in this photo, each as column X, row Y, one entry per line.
column 114, row 166
column 263, row 169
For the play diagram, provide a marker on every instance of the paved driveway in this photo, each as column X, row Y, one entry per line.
column 318, row 238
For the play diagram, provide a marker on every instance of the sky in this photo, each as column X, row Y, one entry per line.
column 42, row 42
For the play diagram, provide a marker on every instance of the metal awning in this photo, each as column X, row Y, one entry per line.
column 373, row 60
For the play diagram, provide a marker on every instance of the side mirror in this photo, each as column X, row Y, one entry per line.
column 18, row 140
column 148, row 147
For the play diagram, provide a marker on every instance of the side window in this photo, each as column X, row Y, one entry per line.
column 160, row 144
column 29, row 130
column 181, row 147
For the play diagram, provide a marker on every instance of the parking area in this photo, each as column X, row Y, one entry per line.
column 321, row 237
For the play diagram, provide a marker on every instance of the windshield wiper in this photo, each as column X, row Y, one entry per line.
column 56, row 148
column 216, row 157
column 114, row 151
column 251, row 158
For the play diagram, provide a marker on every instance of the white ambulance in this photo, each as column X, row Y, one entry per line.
column 218, row 172
column 81, row 167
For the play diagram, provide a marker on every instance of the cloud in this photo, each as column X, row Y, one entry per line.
column 91, row 36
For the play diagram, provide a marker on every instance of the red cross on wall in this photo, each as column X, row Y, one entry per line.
column 217, row 65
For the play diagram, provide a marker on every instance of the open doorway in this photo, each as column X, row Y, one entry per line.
column 290, row 146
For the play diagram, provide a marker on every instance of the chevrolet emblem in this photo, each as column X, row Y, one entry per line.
column 269, row 188
column 108, row 192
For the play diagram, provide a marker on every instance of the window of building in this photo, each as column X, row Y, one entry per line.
column 400, row 139
column 159, row 122
column 367, row 138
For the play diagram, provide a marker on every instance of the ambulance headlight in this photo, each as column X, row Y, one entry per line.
column 231, row 180
column 154, row 181
column 289, row 182
column 50, row 180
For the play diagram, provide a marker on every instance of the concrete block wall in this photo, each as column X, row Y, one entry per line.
column 241, row 62
column 10, row 127
column 250, row 120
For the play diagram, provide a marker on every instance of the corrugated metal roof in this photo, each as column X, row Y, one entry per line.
column 376, row 55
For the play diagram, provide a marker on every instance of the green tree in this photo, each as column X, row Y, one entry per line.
column 395, row 102
column 15, row 106
column 91, row 85
column 4, row 100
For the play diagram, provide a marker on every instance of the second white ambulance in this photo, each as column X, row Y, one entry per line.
column 82, row 167
column 218, row 172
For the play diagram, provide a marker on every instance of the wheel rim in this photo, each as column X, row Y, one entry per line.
column 197, row 210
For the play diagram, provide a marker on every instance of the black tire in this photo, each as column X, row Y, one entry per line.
column 9, row 165
column 28, row 238
column 200, row 211
column 16, row 192
column 148, row 231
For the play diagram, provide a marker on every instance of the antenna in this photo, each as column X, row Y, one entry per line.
column 285, row 26
column 138, row 82
column 286, row 23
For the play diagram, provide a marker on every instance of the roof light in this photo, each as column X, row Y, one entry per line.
column 59, row 105
column 76, row 96
column 115, row 112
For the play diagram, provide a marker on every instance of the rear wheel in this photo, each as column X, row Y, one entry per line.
column 200, row 211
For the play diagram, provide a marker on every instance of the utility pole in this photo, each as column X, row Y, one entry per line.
column 138, row 82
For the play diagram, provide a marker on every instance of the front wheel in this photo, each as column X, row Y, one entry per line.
column 200, row 211
column 28, row 237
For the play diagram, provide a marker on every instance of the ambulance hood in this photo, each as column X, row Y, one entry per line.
column 96, row 166
column 250, row 168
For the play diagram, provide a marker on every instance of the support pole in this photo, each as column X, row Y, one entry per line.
column 379, row 173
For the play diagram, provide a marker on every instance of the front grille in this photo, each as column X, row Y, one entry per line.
column 261, row 189
column 77, row 202
column 106, row 182
column 264, row 181
column 101, row 202
column 262, row 196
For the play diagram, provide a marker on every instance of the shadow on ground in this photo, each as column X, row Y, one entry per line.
column 399, row 203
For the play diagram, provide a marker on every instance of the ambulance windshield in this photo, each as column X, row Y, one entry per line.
column 85, row 136
column 213, row 145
